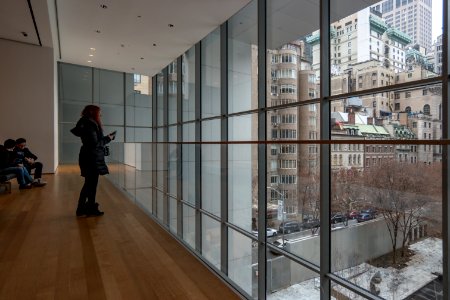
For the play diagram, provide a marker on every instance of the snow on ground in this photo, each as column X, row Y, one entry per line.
column 395, row 284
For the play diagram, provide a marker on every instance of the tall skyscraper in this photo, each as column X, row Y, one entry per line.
column 413, row 17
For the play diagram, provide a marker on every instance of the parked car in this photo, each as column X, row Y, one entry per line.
column 269, row 232
column 352, row 215
column 289, row 226
column 370, row 211
column 311, row 223
column 338, row 218
column 364, row 217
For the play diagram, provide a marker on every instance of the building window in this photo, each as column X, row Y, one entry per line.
column 288, row 89
column 288, row 179
column 274, row 179
column 274, row 90
column 288, row 149
column 407, row 94
column 426, row 109
column 137, row 78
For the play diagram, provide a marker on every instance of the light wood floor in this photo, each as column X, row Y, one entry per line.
column 48, row 253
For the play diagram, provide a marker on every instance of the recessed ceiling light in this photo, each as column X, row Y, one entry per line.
column 89, row 61
column 98, row 31
column 122, row 45
column 142, row 58
column 103, row 6
column 154, row 45
column 132, row 68
column 170, row 25
column 91, row 54
column 24, row 33
column 92, row 49
column 139, row 16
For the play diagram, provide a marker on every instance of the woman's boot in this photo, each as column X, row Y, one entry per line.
column 92, row 210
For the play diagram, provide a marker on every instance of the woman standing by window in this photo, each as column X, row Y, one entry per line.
column 91, row 158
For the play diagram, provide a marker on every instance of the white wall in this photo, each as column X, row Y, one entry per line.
column 27, row 98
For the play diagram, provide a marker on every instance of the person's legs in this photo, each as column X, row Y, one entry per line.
column 81, row 208
column 27, row 176
column 20, row 173
column 88, row 192
column 37, row 166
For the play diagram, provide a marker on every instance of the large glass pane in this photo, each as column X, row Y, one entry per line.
column 242, row 172
column 172, row 89
column 211, row 240
column 144, row 175
column 243, row 60
column 384, row 44
column 293, row 183
column 189, row 225
column 288, row 280
column 160, row 99
column 243, row 262
column 292, row 30
column 161, row 177
column 387, row 191
column 129, row 108
column 75, row 83
column 211, row 74
column 188, row 85
column 188, row 167
column 211, row 167
column 110, row 87
column 173, row 159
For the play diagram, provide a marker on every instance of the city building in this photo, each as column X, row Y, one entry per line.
column 361, row 37
column 235, row 159
column 437, row 59
column 413, row 17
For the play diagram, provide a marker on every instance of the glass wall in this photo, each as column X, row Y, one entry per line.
column 321, row 176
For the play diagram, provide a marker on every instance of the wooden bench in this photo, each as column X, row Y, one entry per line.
column 5, row 181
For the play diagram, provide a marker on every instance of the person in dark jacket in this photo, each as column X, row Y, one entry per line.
column 8, row 165
column 91, row 158
column 28, row 159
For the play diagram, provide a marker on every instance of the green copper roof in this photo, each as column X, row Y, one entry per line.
column 398, row 35
column 369, row 129
column 377, row 24
column 315, row 37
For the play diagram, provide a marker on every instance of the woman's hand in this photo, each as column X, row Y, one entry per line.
column 112, row 135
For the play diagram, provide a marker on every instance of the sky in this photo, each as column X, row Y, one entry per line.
column 437, row 18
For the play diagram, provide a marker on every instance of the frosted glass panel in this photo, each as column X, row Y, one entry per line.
column 112, row 115
column 111, row 87
column 76, row 83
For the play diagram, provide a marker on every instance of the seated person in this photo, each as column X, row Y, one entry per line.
column 7, row 166
column 28, row 159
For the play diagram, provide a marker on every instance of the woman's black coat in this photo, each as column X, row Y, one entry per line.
column 92, row 155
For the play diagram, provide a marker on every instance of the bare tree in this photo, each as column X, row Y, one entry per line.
column 309, row 198
column 345, row 190
column 398, row 190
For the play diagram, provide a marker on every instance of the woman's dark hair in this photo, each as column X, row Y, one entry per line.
column 93, row 112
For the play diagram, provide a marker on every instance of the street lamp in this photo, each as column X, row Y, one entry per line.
column 282, row 210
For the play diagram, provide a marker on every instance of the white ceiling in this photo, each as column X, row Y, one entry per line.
column 128, row 29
